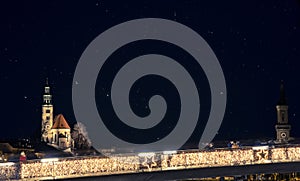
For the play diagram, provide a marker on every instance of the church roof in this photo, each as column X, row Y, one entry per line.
column 60, row 123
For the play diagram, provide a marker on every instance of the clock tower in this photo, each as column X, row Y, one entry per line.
column 282, row 127
column 47, row 114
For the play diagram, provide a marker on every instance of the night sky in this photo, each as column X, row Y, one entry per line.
column 256, row 42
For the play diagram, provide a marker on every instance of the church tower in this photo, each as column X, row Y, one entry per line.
column 282, row 127
column 47, row 114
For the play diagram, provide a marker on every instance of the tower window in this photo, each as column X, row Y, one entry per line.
column 48, row 111
column 48, row 118
column 47, row 90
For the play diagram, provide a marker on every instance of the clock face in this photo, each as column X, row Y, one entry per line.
column 283, row 135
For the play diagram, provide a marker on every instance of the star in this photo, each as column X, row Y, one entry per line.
column 262, row 154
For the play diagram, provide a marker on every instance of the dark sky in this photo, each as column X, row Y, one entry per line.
column 256, row 42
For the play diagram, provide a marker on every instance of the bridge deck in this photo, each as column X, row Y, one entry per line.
column 203, row 172
column 189, row 163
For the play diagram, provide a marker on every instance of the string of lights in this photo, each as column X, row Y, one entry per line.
column 146, row 162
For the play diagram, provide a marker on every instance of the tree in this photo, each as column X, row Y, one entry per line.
column 80, row 136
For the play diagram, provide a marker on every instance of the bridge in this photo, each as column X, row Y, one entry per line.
column 167, row 165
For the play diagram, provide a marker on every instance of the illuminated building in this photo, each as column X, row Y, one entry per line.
column 55, row 132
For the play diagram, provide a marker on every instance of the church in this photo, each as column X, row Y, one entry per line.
column 55, row 130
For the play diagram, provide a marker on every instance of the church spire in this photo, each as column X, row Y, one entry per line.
column 282, row 98
column 47, row 114
column 47, row 82
column 47, row 98
column 282, row 127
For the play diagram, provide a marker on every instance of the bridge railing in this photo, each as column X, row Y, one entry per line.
column 148, row 162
